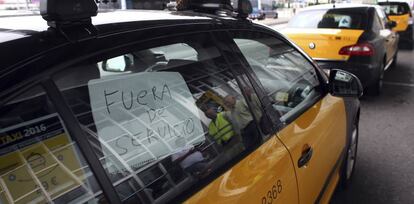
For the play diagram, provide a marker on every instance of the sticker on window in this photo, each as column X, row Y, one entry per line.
column 39, row 152
column 345, row 22
column 141, row 116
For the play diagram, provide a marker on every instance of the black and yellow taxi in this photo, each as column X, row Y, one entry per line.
column 195, row 106
column 353, row 37
column 400, row 12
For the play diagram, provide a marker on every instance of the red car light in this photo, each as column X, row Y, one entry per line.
column 361, row 49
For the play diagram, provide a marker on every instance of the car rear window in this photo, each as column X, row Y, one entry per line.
column 331, row 18
column 395, row 8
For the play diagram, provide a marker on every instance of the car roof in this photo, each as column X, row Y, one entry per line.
column 27, row 40
column 338, row 6
column 393, row 1
column 33, row 32
column 13, row 27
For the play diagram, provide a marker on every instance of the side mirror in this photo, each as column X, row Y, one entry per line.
column 172, row 6
column 391, row 24
column 344, row 84
column 117, row 64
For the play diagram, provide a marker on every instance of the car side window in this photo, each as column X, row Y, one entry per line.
column 382, row 17
column 39, row 161
column 287, row 77
column 377, row 24
column 163, row 116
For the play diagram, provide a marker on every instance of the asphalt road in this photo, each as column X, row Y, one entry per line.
column 385, row 163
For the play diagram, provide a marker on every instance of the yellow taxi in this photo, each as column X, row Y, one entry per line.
column 193, row 106
column 353, row 37
column 401, row 13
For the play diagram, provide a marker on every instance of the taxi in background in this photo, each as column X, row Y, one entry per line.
column 353, row 37
column 400, row 12
column 197, row 106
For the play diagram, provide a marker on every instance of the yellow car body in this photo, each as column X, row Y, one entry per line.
column 128, row 120
column 401, row 13
column 352, row 37
column 327, row 41
column 398, row 11
column 402, row 22
column 262, row 171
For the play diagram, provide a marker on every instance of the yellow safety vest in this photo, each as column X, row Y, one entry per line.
column 221, row 129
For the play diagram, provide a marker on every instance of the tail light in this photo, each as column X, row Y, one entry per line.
column 362, row 49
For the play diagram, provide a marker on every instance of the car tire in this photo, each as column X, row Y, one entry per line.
column 348, row 164
column 375, row 88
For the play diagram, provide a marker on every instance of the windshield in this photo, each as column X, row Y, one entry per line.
column 331, row 18
column 395, row 8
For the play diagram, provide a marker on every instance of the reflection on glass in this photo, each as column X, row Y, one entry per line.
column 162, row 125
column 39, row 162
column 44, row 165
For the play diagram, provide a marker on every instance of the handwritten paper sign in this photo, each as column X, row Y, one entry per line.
column 141, row 116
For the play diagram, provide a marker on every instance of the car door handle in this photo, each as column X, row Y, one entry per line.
column 306, row 156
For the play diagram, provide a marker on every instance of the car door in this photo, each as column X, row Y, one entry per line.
column 266, row 174
column 314, row 123
column 144, row 108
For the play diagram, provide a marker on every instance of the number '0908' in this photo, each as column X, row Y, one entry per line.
column 272, row 193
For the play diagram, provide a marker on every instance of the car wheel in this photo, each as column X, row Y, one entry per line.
column 350, row 157
column 375, row 88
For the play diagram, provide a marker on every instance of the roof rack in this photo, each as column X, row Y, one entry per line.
column 244, row 8
column 71, row 18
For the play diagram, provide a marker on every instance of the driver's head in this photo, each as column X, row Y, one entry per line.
column 230, row 101
column 211, row 113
